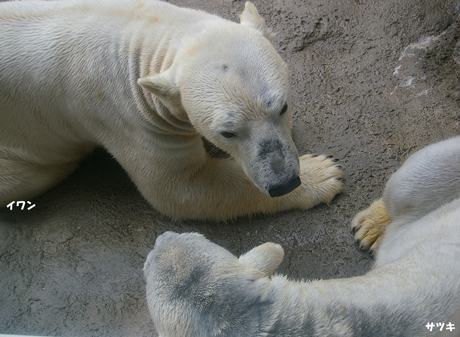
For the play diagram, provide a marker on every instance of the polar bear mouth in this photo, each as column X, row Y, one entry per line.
column 284, row 188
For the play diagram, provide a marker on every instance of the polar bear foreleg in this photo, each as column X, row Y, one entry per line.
column 218, row 189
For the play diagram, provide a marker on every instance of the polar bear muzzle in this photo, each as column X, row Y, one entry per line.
column 278, row 162
column 284, row 188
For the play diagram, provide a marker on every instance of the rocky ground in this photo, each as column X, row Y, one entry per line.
column 373, row 81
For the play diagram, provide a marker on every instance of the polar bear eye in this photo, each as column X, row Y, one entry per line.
column 284, row 109
column 227, row 134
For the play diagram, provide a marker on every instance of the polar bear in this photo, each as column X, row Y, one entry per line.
column 197, row 288
column 148, row 81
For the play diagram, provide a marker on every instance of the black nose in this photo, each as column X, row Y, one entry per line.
column 284, row 188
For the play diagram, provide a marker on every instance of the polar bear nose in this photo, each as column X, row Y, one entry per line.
column 284, row 188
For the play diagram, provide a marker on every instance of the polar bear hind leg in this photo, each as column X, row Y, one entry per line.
column 369, row 225
column 428, row 179
column 21, row 181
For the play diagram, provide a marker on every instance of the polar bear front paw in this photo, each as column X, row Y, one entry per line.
column 321, row 178
column 369, row 225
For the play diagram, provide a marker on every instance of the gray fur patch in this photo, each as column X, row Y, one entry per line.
column 268, row 147
column 188, row 288
column 380, row 321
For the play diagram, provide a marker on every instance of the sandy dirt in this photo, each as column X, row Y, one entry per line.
column 373, row 81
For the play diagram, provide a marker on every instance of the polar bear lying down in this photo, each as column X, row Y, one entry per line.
column 147, row 80
column 197, row 288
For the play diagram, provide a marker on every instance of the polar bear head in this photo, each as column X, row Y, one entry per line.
column 234, row 88
column 197, row 288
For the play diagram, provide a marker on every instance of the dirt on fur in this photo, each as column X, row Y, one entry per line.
column 373, row 81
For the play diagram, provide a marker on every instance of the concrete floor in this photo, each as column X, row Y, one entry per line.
column 373, row 81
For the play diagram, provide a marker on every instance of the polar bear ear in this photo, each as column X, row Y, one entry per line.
column 265, row 258
column 251, row 18
column 160, row 85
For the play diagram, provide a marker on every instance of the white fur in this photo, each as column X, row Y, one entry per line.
column 147, row 80
column 196, row 288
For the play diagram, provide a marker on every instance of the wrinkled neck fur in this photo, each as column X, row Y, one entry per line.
column 285, row 295
column 149, row 54
column 150, row 46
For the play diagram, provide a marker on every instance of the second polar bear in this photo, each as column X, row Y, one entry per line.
column 197, row 288
column 147, row 80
